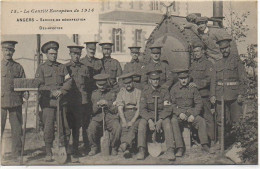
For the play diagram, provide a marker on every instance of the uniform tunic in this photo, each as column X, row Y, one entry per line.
column 201, row 72
column 147, row 111
column 11, row 102
column 187, row 100
column 111, row 67
column 130, row 103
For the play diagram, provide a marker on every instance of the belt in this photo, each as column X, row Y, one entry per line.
column 227, row 83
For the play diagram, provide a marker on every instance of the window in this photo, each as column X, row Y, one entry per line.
column 155, row 5
column 138, row 37
column 117, row 40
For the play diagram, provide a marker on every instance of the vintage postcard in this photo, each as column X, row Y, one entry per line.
column 134, row 82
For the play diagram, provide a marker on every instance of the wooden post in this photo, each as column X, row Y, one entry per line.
column 39, row 60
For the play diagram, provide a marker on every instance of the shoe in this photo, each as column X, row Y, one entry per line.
column 169, row 154
column 75, row 158
column 141, row 154
column 113, row 152
column 123, row 147
column 180, row 152
column 93, row 151
column 205, row 148
column 48, row 157
column 127, row 154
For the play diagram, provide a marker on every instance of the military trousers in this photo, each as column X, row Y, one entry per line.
column 199, row 123
column 208, row 116
column 167, row 128
column 129, row 134
column 232, row 113
column 16, row 120
column 86, row 116
column 95, row 131
column 49, row 117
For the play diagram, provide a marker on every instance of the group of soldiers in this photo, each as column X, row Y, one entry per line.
column 129, row 98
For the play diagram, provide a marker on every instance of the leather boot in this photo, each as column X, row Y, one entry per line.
column 141, row 154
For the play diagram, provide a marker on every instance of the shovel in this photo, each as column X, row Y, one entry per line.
column 104, row 140
column 60, row 154
column 154, row 148
column 24, row 130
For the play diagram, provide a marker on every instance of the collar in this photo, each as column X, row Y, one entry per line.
column 7, row 62
column 200, row 60
column 134, row 60
column 51, row 63
column 75, row 64
column 182, row 87
column 156, row 63
column 89, row 58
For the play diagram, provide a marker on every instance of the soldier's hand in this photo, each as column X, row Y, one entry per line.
column 26, row 95
column 151, row 125
column 191, row 118
column 183, row 116
column 239, row 99
column 192, row 84
column 213, row 99
column 158, row 125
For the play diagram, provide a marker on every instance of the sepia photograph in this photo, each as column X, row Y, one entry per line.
column 135, row 82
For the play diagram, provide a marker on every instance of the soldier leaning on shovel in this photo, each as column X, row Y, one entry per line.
column 147, row 112
column 11, row 101
column 103, row 97
column 78, row 103
column 53, row 76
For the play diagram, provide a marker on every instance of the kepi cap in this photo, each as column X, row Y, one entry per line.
column 134, row 49
column 91, row 45
column 49, row 45
column 101, row 79
column 75, row 49
column 156, row 49
column 154, row 74
column 182, row 73
column 106, row 45
column 224, row 41
column 127, row 78
column 8, row 44
column 201, row 19
column 196, row 44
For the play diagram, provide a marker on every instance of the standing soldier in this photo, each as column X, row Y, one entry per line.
column 127, row 102
column 135, row 66
column 79, row 97
column 167, row 77
column 53, row 77
column 228, row 82
column 11, row 101
column 209, row 36
column 94, row 66
column 200, row 72
column 111, row 66
column 147, row 112
column 103, row 97
column 187, row 105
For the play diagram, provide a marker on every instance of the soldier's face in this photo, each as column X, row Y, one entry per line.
column 129, row 86
column 8, row 53
column 75, row 57
column 198, row 52
column 155, row 56
column 184, row 81
column 52, row 55
column 107, row 52
column 91, row 52
column 202, row 26
column 135, row 55
column 225, row 51
column 154, row 82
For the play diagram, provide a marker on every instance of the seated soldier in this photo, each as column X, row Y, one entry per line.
column 103, row 97
column 187, row 105
column 127, row 102
column 147, row 112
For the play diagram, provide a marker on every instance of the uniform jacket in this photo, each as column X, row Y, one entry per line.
column 228, row 78
column 111, row 67
column 134, row 66
column 201, row 72
column 52, row 77
column 94, row 66
column 9, row 71
column 185, row 100
column 81, row 77
column 147, row 103
column 111, row 108
column 167, row 78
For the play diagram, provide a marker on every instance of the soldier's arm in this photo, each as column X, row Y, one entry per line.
column 120, row 106
column 119, row 69
column 143, row 107
column 167, row 106
column 175, row 110
column 242, row 78
column 197, row 102
column 137, row 113
column 39, row 75
column 213, row 82
column 171, row 77
column 67, row 85
column 94, row 103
